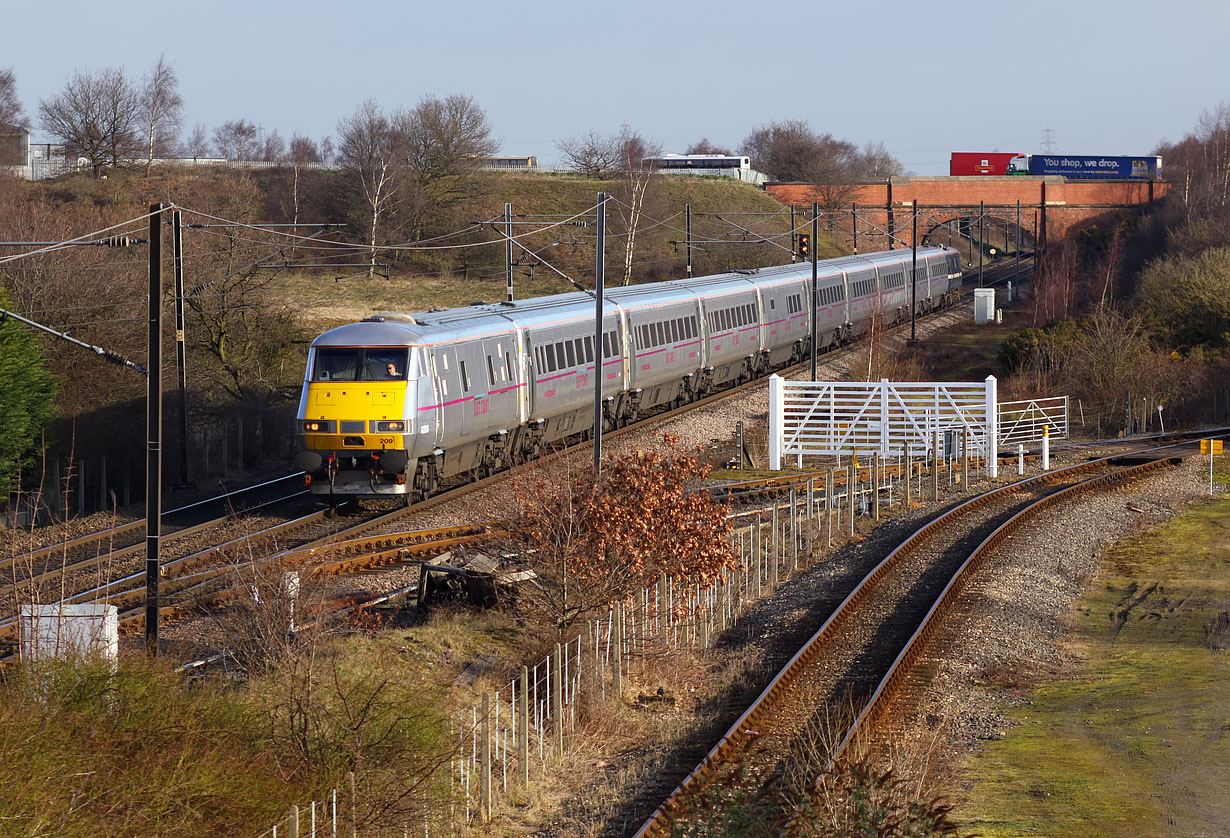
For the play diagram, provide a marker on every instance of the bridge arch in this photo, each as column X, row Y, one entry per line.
column 1050, row 207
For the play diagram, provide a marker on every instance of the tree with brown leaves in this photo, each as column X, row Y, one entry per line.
column 595, row 539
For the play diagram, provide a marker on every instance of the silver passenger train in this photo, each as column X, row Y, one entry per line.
column 393, row 405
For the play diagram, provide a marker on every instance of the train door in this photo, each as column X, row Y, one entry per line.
column 845, row 289
column 501, row 379
column 523, row 358
column 444, row 376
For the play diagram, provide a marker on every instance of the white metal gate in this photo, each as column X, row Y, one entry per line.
column 845, row 417
column 1024, row 421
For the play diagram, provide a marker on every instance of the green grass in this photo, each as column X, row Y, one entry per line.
column 1136, row 742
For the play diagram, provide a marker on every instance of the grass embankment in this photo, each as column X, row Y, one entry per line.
column 966, row 352
column 323, row 301
column 1137, row 741
column 144, row 751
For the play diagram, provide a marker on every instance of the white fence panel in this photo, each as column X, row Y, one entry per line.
column 829, row 418
column 1023, row 421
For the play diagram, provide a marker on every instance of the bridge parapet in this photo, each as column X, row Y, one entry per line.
column 1061, row 204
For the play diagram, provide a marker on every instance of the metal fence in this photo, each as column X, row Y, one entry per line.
column 831, row 418
column 1024, row 421
column 531, row 721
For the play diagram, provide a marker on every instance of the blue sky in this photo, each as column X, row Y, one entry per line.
column 924, row 79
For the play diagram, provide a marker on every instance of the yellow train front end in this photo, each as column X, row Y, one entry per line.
column 355, row 417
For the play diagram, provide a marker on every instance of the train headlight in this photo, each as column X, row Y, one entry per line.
column 317, row 426
column 391, row 426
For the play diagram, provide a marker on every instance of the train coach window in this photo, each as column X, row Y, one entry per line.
column 570, row 354
column 490, row 371
column 561, row 359
column 589, row 349
column 355, row 364
column 580, row 350
column 465, row 378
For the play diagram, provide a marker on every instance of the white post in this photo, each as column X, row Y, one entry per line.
column 1159, row 417
column 884, row 418
column 777, row 421
column 1046, row 447
column 992, row 428
column 1020, row 458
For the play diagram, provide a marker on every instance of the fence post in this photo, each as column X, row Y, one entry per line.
column 851, row 483
column 992, row 427
column 909, row 467
column 935, row 468
column 777, row 420
column 828, row 510
column 484, row 775
column 756, row 558
column 354, row 815
column 965, row 459
column 523, row 727
column 557, row 699
column 777, row 547
column 292, row 824
column 875, row 486
column 617, row 659
column 793, row 529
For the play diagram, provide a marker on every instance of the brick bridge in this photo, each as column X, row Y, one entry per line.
column 948, row 208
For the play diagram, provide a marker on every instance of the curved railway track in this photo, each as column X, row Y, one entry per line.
column 862, row 655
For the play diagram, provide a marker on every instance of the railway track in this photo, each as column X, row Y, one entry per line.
column 189, row 571
column 862, row 656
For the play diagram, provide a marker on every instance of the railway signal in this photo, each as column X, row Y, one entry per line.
column 804, row 245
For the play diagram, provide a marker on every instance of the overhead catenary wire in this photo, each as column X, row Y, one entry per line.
column 406, row 247
column 105, row 354
column 96, row 234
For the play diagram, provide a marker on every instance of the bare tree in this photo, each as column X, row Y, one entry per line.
column 875, row 162
column 302, row 152
column 236, row 140
column 592, row 154
column 162, row 111
column 445, row 137
column 638, row 173
column 197, row 144
column 274, row 150
column 706, row 147
column 368, row 147
column 11, row 114
column 793, row 151
column 13, row 120
column 96, row 116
